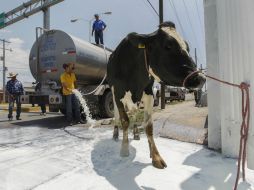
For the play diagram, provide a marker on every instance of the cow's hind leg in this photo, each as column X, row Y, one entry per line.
column 125, row 124
column 157, row 160
column 117, row 119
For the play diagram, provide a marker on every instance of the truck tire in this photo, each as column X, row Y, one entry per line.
column 53, row 109
column 63, row 111
column 83, row 118
column 107, row 105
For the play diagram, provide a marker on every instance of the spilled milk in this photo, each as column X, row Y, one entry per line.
column 83, row 103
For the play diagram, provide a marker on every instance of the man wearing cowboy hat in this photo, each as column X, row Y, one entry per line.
column 14, row 89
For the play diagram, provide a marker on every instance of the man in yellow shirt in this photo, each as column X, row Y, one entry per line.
column 68, row 80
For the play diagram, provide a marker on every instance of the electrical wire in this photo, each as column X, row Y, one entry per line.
column 152, row 7
column 198, row 13
column 189, row 20
column 149, row 7
column 200, row 21
column 177, row 17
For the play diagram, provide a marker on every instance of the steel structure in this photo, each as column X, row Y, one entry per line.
column 4, row 67
column 27, row 9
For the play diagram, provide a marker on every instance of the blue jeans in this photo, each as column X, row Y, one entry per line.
column 43, row 108
column 98, row 36
column 72, row 105
column 12, row 100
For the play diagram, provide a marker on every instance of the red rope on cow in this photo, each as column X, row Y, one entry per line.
column 191, row 74
column 146, row 64
column 244, row 126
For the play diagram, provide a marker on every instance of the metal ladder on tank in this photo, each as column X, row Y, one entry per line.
column 39, row 31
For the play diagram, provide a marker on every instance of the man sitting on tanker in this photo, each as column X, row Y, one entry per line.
column 68, row 80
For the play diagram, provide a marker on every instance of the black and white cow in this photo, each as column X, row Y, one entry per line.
column 133, row 66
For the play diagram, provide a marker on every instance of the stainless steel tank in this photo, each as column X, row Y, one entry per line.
column 55, row 47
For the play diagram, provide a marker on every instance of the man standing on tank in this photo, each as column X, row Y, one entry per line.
column 98, row 27
column 68, row 80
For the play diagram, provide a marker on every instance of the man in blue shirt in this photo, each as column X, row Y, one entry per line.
column 14, row 89
column 98, row 27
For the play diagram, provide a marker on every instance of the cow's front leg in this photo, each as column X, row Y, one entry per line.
column 125, row 124
column 157, row 160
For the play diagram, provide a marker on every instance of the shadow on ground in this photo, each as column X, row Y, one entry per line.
column 50, row 123
column 216, row 172
column 120, row 172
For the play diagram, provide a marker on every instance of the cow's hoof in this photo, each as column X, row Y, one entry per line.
column 159, row 163
column 124, row 153
column 124, row 150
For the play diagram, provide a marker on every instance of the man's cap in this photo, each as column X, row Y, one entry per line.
column 96, row 15
column 11, row 75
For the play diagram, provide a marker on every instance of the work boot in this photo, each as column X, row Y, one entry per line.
column 18, row 118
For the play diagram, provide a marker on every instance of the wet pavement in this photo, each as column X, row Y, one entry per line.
column 42, row 153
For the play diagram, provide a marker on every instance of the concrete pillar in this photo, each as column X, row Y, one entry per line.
column 234, row 53
column 211, row 31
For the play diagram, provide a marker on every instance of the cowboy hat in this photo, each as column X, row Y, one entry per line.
column 11, row 75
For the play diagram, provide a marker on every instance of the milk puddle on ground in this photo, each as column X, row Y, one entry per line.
column 86, row 110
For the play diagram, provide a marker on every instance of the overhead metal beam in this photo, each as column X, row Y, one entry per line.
column 46, row 17
column 27, row 9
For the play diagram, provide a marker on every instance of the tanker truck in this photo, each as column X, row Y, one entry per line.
column 48, row 54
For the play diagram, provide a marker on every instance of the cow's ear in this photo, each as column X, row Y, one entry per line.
column 139, row 40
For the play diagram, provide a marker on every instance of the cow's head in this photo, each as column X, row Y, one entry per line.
column 168, row 57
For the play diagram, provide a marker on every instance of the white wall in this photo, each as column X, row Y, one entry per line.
column 231, row 58
column 214, row 130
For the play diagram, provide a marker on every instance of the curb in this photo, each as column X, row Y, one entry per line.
column 23, row 109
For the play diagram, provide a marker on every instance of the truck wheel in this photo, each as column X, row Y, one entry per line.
column 83, row 118
column 107, row 105
column 63, row 111
column 53, row 109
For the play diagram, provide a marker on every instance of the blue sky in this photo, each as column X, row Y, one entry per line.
column 127, row 16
